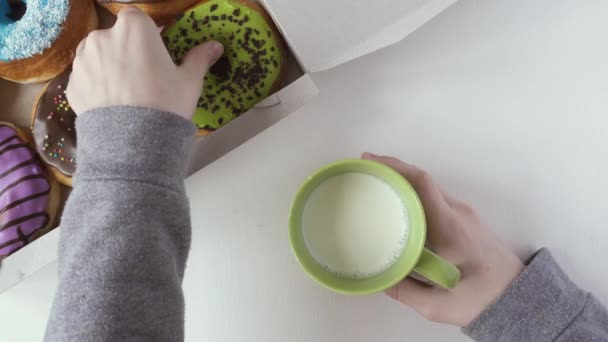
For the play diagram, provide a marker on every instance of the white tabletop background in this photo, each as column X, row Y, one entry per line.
column 504, row 101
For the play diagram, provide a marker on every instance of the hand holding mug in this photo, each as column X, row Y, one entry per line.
column 456, row 233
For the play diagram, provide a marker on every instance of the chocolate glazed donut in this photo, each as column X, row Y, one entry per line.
column 54, row 131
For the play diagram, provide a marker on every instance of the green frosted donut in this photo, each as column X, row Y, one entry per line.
column 251, row 64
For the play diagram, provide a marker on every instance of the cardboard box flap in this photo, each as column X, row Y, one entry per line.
column 324, row 34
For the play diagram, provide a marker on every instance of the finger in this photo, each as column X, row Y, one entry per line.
column 94, row 40
column 423, row 299
column 96, row 34
column 133, row 16
column 136, row 33
column 130, row 12
column 456, row 204
column 197, row 62
column 429, row 193
column 449, row 199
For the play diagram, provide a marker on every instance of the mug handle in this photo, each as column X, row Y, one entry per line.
column 436, row 269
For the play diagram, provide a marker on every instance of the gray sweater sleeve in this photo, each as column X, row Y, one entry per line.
column 542, row 305
column 125, row 231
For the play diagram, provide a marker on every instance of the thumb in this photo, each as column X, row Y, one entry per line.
column 197, row 62
column 427, row 301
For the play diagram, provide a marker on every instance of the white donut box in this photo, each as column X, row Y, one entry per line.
column 320, row 35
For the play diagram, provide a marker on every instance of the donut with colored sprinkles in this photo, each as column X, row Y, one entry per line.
column 54, row 131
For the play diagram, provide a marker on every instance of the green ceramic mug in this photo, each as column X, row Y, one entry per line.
column 414, row 258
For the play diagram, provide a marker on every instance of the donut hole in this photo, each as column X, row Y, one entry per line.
column 221, row 68
column 17, row 9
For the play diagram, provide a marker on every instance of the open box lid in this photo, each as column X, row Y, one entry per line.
column 327, row 33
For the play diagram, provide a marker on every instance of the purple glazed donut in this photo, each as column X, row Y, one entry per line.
column 28, row 201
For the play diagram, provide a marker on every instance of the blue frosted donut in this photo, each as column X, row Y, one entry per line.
column 38, row 38
column 28, row 27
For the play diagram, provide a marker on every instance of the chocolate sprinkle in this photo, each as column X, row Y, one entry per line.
column 221, row 68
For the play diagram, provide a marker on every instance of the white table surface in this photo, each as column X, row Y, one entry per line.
column 504, row 101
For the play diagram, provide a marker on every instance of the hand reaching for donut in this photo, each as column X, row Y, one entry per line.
column 129, row 65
